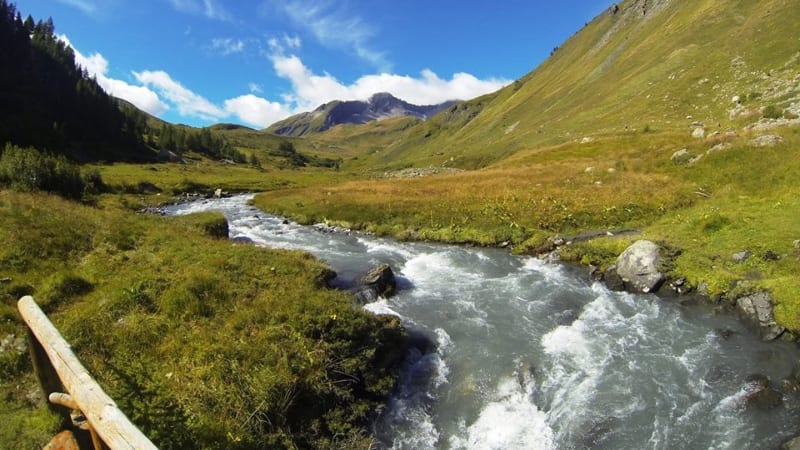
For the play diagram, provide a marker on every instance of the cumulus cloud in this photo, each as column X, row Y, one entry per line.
column 336, row 27
column 227, row 46
column 97, row 66
column 255, row 88
column 187, row 102
column 256, row 110
column 310, row 90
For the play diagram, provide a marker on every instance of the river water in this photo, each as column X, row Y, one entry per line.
column 531, row 355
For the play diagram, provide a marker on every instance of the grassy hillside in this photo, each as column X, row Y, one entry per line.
column 677, row 64
column 593, row 139
column 202, row 342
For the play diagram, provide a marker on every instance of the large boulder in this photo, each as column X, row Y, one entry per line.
column 377, row 282
column 760, row 394
column 638, row 266
column 757, row 308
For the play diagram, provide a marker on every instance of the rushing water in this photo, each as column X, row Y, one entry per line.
column 530, row 355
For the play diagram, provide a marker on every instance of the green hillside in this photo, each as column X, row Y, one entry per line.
column 624, row 72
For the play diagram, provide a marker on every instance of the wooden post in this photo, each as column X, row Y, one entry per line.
column 103, row 415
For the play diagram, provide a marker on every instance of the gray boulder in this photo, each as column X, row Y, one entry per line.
column 757, row 308
column 376, row 283
column 741, row 257
column 638, row 266
column 793, row 444
column 760, row 394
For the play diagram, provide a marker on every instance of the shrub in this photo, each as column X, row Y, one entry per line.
column 772, row 112
column 29, row 170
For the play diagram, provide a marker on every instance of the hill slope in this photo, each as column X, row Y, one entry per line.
column 659, row 65
column 379, row 106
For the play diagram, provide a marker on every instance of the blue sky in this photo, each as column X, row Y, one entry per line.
column 254, row 62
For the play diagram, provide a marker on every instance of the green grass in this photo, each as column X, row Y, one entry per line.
column 202, row 342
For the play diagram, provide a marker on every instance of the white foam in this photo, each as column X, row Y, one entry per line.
column 509, row 421
column 567, row 340
column 381, row 307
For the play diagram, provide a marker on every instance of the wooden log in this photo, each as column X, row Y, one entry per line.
column 113, row 427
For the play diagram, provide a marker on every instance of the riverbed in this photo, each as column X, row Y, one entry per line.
column 534, row 355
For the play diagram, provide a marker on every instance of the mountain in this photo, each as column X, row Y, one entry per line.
column 379, row 106
column 656, row 65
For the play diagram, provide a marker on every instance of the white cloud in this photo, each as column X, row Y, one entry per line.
column 333, row 26
column 187, row 102
column 209, row 8
column 255, row 88
column 97, row 66
column 310, row 90
column 227, row 46
column 85, row 6
column 256, row 110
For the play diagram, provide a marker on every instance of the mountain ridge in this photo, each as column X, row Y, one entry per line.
column 379, row 106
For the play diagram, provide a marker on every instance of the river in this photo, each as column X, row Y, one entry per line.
column 533, row 355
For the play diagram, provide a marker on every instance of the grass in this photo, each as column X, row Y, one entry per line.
column 203, row 343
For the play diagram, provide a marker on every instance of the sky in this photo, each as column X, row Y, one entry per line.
column 200, row 62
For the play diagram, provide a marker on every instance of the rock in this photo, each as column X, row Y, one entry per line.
column 760, row 394
column 378, row 282
column 757, row 308
column 218, row 193
column 682, row 156
column 725, row 333
column 718, row 148
column 741, row 257
column 63, row 441
column 613, row 280
column 566, row 317
column 792, row 444
column 767, row 140
column 699, row 133
column 769, row 255
column 796, row 244
column 736, row 99
column 638, row 266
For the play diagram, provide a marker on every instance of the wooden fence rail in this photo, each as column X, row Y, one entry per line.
column 60, row 372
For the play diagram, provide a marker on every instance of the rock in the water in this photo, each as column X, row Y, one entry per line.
column 793, row 444
column 378, row 282
column 613, row 280
column 638, row 266
column 758, row 309
column 760, row 394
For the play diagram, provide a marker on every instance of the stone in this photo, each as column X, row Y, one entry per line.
column 613, row 280
column 638, row 266
column 699, row 133
column 757, row 308
column 741, row 257
column 760, row 394
column 718, row 148
column 769, row 255
column 682, row 156
column 63, row 441
column 218, row 193
column 376, row 283
column 736, row 99
column 792, row 444
column 796, row 244
column 767, row 140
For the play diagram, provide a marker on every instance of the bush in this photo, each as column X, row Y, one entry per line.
column 772, row 112
column 29, row 170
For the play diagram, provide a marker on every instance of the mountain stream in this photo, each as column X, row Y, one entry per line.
column 532, row 355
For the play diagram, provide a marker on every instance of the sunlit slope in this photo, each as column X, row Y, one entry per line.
column 658, row 69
